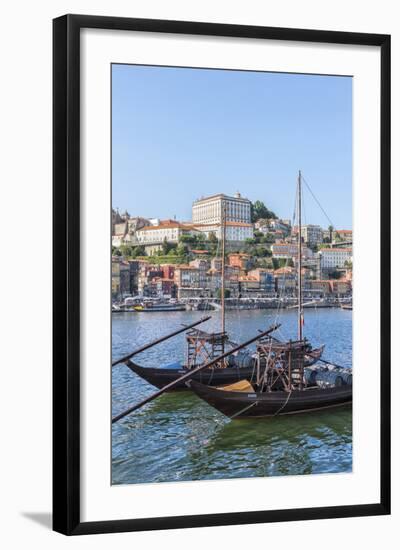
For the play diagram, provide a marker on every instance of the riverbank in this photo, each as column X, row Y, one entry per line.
column 210, row 304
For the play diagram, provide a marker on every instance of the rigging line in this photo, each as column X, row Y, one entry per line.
column 303, row 202
column 285, row 403
column 245, row 409
column 317, row 201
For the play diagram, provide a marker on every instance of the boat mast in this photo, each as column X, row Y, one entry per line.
column 223, row 227
column 299, row 281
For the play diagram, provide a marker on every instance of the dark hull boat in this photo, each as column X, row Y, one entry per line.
column 213, row 376
column 244, row 404
column 160, row 377
column 283, row 384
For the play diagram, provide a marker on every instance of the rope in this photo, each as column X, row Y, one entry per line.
column 242, row 410
column 317, row 201
column 285, row 403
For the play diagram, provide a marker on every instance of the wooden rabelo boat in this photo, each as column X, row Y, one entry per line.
column 283, row 385
column 284, row 382
column 201, row 347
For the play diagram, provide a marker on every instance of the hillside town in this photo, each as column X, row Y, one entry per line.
column 172, row 260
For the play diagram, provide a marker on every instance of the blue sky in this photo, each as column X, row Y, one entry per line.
column 178, row 134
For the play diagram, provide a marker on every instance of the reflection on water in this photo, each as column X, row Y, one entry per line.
column 179, row 437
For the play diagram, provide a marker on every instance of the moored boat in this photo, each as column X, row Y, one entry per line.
column 161, row 376
column 250, row 403
column 237, row 367
column 282, row 385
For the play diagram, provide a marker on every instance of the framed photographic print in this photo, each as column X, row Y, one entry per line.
column 221, row 274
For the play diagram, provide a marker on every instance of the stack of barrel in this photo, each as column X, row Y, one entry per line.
column 326, row 377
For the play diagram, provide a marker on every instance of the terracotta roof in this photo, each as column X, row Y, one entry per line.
column 186, row 267
column 283, row 270
column 167, row 224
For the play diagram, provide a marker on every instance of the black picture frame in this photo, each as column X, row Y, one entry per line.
column 66, row 273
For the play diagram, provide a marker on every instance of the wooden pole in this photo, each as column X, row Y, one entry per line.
column 190, row 374
column 159, row 340
column 223, row 227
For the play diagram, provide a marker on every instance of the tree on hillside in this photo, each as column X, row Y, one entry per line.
column 259, row 210
column 213, row 243
column 212, row 238
column 126, row 250
column 138, row 251
column 165, row 247
column 181, row 249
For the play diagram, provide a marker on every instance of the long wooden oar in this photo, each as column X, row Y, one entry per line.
column 159, row 340
column 190, row 374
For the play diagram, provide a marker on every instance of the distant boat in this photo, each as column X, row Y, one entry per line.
column 346, row 306
column 150, row 307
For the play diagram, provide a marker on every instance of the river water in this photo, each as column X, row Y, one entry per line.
column 179, row 437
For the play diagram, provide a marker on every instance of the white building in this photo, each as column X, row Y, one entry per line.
column 234, row 231
column 207, row 216
column 208, row 210
column 169, row 230
column 332, row 258
column 312, row 234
